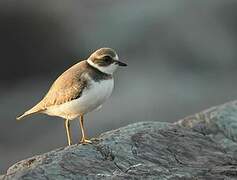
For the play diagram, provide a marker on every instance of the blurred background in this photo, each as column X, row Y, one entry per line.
column 181, row 57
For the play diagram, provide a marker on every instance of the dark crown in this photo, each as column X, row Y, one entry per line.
column 103, row 56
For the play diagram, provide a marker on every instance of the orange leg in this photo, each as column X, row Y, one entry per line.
column 84, row 140
column 68, row 131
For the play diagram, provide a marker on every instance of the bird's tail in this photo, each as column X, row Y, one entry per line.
column 33, row 110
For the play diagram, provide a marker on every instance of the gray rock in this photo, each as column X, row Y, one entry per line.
column 202, row 146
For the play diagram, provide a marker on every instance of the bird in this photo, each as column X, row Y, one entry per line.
column 82, row 88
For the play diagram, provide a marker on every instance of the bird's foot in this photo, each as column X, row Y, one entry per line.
column 85, row 141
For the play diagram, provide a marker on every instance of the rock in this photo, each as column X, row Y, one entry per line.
column 219, row 123
column 202, row 146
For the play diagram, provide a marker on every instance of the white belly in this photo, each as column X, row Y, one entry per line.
column 90, row 99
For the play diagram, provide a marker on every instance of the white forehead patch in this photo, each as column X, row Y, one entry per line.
column 116, row 57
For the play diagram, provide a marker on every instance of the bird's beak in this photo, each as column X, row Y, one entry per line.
column 120, row 63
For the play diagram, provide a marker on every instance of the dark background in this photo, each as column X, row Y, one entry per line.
column 181, row 57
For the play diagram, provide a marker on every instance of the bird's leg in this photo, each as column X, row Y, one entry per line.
column 68, row 131
column 83, row 139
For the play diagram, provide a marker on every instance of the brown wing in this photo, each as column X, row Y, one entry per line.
column 63, row 92
column 67, row 87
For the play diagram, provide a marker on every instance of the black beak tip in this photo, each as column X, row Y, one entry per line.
column 121, row 63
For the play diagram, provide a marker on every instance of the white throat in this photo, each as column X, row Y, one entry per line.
column 107, row 69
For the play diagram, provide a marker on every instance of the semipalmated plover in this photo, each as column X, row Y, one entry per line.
column 81, row 89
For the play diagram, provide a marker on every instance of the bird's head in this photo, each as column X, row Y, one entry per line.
column 106, row 60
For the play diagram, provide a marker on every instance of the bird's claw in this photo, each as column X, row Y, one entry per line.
column 85, row 141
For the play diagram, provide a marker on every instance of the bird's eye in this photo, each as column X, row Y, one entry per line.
column 107, row 58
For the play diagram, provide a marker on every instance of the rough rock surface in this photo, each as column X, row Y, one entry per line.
column 202, row 146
